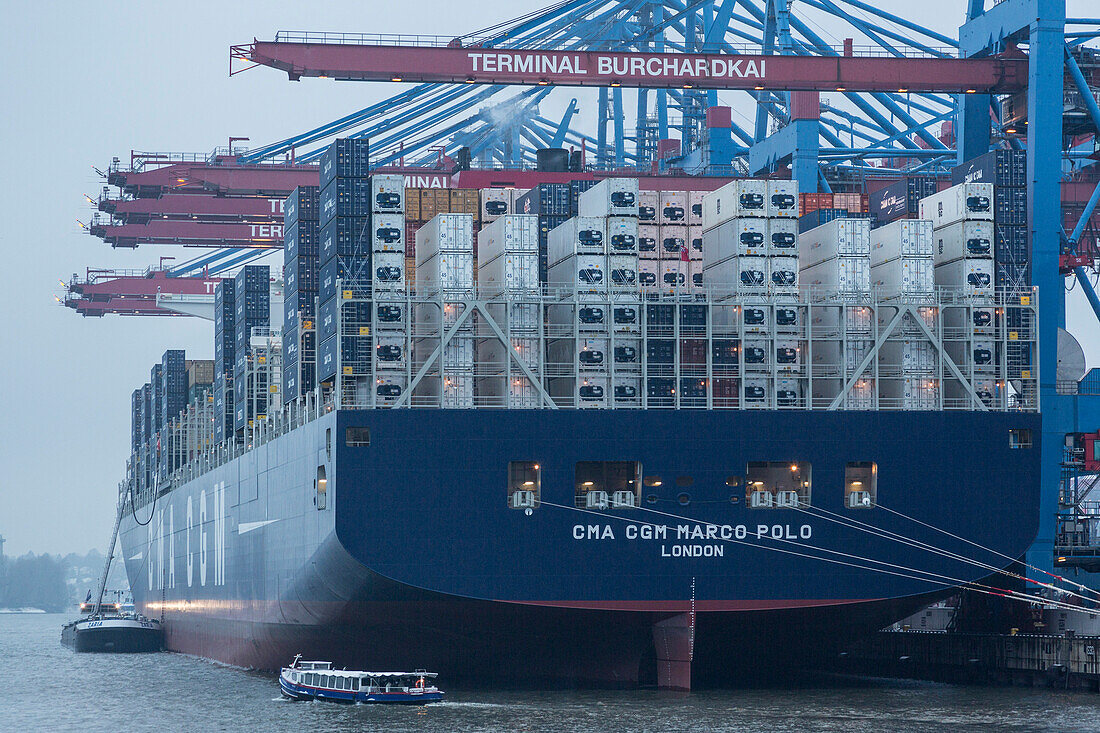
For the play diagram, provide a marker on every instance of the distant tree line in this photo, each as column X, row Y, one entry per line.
column 34, row 581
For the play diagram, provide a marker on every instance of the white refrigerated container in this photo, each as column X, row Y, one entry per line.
column 745, row 197
column 848, row 275
column 576, row 236
column 970, row 240
column 901, row 238
column 837, row 238
column 610, row 197
column 904, row 276
column 966, row 201
column 782, row 199
column 974, row 278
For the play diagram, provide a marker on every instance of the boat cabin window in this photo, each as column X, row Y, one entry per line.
column 355, row 437
column 860, row 485
column 777, row 484
column 524, row 484
column 607, row 484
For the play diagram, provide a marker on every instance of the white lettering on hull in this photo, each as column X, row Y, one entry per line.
column 690, row 536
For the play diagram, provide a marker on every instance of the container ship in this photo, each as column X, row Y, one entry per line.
column 619, row 436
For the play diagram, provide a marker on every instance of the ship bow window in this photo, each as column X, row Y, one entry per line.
column 777, row 484
column 1019, row 438
column 608, row 484
column 355, row 437
column 524, row 484
column 860, row 485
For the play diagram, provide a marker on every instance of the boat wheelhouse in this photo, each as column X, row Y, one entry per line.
column 313, row 680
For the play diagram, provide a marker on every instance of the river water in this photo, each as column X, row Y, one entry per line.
column 50, row 688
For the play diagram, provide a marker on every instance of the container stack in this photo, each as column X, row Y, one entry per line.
column 225, row 350
column 156, row 430
column 750, row 241
column 962, row 222
column 445, row 270
column 345, row 248
column 594, row 261
column 137, row 432
column 508, row 264
column 172, row 392
column 301, row 277
column 141, row 466
column 673, row 244
column 550, row 202
column 835, row 261
column 964, row 247
column 252, row 298
column 650, row 243
column 1007, row 171
column 695, row 236
column 624, row 349
column 424, row 204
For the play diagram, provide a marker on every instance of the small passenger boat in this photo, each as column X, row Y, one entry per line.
column 319, row 681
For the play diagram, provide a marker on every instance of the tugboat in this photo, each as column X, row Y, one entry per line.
column 319, row 681
column 109, row 627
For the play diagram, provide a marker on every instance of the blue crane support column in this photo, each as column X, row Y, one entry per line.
column 799, row 142
column 972, row 136
column 1044, row 23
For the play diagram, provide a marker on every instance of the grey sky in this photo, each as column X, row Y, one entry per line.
column 84, row 82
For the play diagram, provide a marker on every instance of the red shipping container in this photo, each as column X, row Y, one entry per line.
column 726, row 392
column 693, row 351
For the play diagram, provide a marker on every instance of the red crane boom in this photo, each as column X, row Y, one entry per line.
column 376, row 60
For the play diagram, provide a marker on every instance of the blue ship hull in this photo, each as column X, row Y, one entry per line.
column 417, row 560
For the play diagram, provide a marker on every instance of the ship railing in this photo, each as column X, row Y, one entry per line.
column 701, row 379
column 496, row 41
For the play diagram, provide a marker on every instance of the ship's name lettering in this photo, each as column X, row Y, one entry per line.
column 694, row 532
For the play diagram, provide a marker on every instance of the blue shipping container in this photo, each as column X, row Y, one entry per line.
column 345, row 157
column 301, row 205
column 301, row 238
column 346, row 197
column 345, row 237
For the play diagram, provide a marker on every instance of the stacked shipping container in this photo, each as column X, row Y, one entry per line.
column 252, row 298
column 508, row 263
column 225, row 357
column 1007, row 171
column 902, row 265
column 445, row 266
column 962, row 217
column 301, row 277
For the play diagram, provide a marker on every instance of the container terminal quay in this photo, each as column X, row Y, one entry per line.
column 761, row 367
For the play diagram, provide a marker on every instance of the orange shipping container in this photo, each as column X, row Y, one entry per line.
column 464, row 201
column 412, row 204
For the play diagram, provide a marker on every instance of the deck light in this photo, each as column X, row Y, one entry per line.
column 396, row 78
column 543, row 82
column 971, row 91
column 794, row 467
column 587, row 483
column 841, row 89
column 616, row 83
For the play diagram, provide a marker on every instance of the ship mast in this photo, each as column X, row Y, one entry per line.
column 110, row 555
